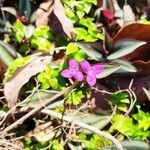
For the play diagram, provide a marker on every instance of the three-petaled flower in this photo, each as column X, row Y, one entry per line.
column 73, row 71
column 91, row 71
column 86, row 70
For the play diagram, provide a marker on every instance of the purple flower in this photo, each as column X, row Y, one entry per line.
column 91, row 71
column 73, row 71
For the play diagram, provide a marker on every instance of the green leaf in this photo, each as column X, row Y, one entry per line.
column 122, row 107
column 19, row 31
column 126, row 66
column 108, row 70
column 92, row 1
column 29, row 31
column 80, row 13
column 121, row 123
column 48, row 78
column 6, row 58
column 70, row 14
column 56, row 145
column 96, row 120
column 56, row 104
column 45, row 82
column 145, row 123
column 43, row 31
column 37, row 97
column 123, row 48
column 9, row 49
column 87, row 7
column 92, row 50
column 42, row 44
column 75, row 97
column 20, row 4
column 33, row 17
column 90, row 38
column 81, row 33
column 79, row 56
column 23, row 48
column 126, row 101
column 73, row 51
column 143, row 119
column 100, row 36
column 25, row 8
column 140, row 115
column 126, row 126
column 17, row 63
column 93, row 33
column 79, row 5
column 93, row 142
column 131, row 145
column 118, row 97
column 71, row 48
column 87, row 22
column 144, row 20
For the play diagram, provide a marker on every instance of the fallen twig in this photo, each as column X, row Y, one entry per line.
column 83, row 125
column 133, row 98
column 46, row 102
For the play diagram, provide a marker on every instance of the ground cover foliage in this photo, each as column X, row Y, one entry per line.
column 74, row 74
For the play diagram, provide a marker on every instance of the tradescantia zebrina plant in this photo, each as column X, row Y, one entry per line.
column 63, row 81
column 83, row 53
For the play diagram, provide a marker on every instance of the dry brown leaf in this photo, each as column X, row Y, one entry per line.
column 53, row 12
column 12, row 87
column 66, row 23
column 43, row 12
column 134, row 31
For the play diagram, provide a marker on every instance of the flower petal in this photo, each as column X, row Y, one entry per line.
column 96, row 69
column 91, row 79
column 108, row 14
column 78, row 76
column 85, row 66
column 67, row 73
column 73, row 65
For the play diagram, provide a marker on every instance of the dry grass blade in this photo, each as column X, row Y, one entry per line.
column 6, row 144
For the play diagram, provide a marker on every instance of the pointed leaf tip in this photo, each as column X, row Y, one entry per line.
column 123, row 48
